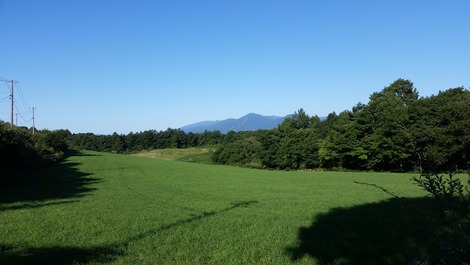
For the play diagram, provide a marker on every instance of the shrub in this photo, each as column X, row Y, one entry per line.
column 452, row 199
column 16, row 151
column 22, row 152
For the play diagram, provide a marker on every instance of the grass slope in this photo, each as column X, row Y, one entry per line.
column 202, row 155
column 99, row 208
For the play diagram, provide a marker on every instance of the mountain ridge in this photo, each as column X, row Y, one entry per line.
column 249, row 122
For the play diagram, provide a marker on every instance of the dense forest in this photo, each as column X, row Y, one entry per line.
column 147, row 140
column 395, row 131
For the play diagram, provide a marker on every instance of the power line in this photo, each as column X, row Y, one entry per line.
column 14, row 105
column 7, row 85
column 5, row 94
column 21, row 115
column 22, row 99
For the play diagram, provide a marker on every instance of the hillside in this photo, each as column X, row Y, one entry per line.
column 249, row 122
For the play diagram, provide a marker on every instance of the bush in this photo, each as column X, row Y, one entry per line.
column 22, row 152
column 52, row 145
column 16, row 148
column 452, row 199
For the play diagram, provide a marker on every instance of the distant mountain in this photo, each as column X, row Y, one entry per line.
column 249, row 122
column 196, row 126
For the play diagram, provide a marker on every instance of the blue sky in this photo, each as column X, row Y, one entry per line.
column 120, row 66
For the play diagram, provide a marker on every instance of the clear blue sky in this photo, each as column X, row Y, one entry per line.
column 107, row 66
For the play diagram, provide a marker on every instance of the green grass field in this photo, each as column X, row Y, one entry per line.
column 201, row 155
column 98, row 208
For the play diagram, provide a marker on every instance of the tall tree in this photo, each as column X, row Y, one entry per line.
column 386, row 127
column 298, row 120
column 441, row 130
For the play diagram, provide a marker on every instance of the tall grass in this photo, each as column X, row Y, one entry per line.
column 100, row 208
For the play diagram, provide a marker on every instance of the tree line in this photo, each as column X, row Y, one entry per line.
column 146, row 140
column 395, row 131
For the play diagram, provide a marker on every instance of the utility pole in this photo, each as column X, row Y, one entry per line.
column 11, row 120
column 16, row 119
column 33, row 120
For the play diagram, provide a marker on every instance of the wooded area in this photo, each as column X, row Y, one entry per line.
column 395, row 131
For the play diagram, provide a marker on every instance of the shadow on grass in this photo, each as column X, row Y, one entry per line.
column 33, row 205
column 18, row 255
column 396, row 231
column 56, row 255
column 60, row 181
column 198, row 217
column 191, row 219
column 75, row 152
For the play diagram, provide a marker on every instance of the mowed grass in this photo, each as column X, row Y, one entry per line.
column 99, row 208
column 202, row 155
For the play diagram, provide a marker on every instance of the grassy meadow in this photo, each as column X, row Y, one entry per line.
column 100, row 208
column 200, row 155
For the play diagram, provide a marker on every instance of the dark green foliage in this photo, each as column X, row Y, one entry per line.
column 299, row 120
column 441, row 127
column 52, row 144
column 242, row 152
column 147, row 140
column 385, row 126
column 447, row 192
column 294, row 145
column 22, row 152
column 342, row 146
column 298, row 149
column 452, row 200
column 395, row 131
column 17, row 151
